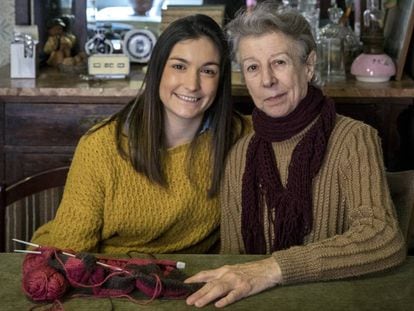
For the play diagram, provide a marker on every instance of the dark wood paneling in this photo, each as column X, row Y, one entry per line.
column 38, row 136
column 25, row 163
column 405, row 128
column 79, row 27
column 35, row 136
column 52, row 125
column 22, row 12
column 2, row 163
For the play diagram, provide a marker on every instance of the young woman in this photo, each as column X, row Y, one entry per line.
column 146, row 180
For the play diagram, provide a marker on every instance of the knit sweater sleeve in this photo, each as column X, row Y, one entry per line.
column 372, row 240
column 78, row 219
column 230, row 200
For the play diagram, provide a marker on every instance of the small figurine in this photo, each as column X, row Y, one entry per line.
column 60, row 44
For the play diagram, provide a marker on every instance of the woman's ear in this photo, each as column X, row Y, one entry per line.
column 310, row 65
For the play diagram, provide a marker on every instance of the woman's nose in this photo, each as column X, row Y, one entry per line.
column 268, row 77
column 192, row 81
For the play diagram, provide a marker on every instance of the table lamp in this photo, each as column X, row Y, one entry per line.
column 373, row 65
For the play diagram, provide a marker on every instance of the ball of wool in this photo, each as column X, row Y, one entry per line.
column 36, row 261
column 45, row 284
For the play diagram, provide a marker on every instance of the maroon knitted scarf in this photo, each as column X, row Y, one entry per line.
column 289, row 209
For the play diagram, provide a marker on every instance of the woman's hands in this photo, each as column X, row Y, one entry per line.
column 234, row 282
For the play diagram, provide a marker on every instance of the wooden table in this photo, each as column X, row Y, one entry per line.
column 390, row 290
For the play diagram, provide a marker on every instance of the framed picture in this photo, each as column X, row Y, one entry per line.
column 398, row 29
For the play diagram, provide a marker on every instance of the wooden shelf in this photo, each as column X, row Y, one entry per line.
column 350, row 88
column 50, row 82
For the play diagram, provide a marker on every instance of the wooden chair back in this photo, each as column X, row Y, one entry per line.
column 29, row 203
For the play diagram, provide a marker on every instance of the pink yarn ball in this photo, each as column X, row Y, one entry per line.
column 37, row 261
column 45, row 284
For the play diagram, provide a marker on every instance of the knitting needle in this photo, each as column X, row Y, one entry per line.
column 27, row 251
column 64, row 253
column 179, row 264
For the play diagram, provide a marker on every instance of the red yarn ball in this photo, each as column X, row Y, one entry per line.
column 37, row 261
column 45, row 284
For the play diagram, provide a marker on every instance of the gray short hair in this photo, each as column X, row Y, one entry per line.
column 268, row 17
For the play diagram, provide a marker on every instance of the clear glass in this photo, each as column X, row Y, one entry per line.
column 334, row 30
column 310, row 10
column 373, row 36
column 290, row 3
column 373, row 16
column 333, row 65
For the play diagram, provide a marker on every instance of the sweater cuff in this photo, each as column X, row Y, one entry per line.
column 297, row 265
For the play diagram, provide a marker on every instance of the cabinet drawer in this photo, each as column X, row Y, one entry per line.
column 52, row 124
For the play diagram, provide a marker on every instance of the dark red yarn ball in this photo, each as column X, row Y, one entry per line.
column 45, row 284
column 35, row 261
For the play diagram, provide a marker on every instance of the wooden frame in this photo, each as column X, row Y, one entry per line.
column 174, row 12
column 398, row 29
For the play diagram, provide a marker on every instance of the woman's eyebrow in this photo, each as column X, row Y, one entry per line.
column 180, row 59
column 287, row 53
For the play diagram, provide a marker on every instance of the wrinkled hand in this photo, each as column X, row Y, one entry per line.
column 232, row 283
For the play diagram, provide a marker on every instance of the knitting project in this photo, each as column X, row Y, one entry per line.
column 49, row 275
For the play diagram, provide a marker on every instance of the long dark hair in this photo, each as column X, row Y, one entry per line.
column 142, row 120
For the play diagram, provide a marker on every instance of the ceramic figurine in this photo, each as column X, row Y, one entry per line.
column 59, row 46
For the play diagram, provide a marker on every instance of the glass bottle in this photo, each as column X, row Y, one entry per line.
column 373, row 35
column 340, row 39
column 310, row 10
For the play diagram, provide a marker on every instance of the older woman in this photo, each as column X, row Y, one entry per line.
column 308, row 186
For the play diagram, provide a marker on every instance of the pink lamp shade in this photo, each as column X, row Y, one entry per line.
column 373, row 67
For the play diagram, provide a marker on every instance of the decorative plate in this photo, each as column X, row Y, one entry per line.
column 138, row 45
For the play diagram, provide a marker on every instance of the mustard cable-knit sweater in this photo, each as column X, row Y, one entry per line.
column 108, row 207
column 354, row 231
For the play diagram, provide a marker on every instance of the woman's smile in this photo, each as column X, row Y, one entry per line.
column 186, row 98
column 276, row 99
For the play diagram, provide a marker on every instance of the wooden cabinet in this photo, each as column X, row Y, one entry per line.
column 35, row 136
column 41, row 120
column 39, row 136
column 383, row 114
